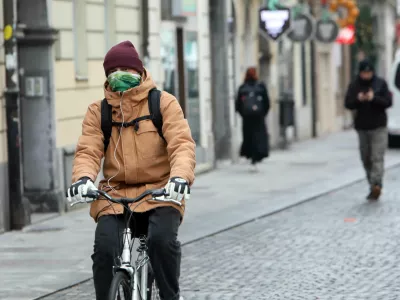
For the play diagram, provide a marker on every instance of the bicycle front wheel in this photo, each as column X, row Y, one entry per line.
column 120, row 287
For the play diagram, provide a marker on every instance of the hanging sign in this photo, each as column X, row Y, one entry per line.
column 326, row 31
column 352, row 11
column 274, row 22
column 302, row 28
column 347, row 35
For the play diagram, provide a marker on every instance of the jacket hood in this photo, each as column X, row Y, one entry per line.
column 133, row 95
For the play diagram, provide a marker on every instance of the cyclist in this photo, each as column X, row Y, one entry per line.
column 136, row 159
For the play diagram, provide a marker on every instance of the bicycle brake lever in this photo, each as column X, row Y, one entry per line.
column 176, row 202
column 83, row 201
column 165, row 198
column 173, row 201
column 75, row 203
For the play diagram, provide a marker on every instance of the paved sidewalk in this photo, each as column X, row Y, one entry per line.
column 56, row 253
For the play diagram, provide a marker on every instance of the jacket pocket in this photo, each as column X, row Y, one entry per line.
column 148, row 141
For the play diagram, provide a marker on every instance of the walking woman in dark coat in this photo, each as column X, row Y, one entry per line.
column 252, row 103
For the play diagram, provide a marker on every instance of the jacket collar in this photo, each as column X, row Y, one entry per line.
column 133, row 95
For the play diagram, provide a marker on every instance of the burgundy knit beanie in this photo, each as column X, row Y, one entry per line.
column 122, row 55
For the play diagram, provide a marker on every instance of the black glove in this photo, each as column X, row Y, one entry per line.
column 79, row 188
column 178, row 189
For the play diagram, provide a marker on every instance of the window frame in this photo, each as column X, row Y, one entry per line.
column 80, row 40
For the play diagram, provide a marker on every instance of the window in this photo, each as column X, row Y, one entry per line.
column 166, row 6
column 80, row 40
column 168, row 59
column 192, row 73
column 95, row 30
column 63, row 20
column 110, row 23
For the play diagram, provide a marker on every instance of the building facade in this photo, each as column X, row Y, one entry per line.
column 177, row 35
column 175, row 41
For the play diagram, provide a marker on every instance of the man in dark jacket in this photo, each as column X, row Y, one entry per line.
column 369, row 97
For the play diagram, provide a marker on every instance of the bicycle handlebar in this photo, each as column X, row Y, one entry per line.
column 157, row 195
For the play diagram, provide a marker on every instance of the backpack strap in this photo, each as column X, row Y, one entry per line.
column 154, row 100
column 106, row 122
column 134, row 123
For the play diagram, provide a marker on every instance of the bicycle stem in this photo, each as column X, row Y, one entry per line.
column 126, row 252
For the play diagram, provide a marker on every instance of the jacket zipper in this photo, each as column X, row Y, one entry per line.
column 122, row 140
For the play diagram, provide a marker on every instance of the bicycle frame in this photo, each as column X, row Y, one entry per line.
column 140, row 270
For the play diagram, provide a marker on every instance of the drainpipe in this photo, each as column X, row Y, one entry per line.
column 145, row 33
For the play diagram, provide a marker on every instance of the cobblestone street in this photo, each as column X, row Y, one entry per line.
column 336, row 247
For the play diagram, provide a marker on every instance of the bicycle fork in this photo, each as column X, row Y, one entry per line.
column 140, row 283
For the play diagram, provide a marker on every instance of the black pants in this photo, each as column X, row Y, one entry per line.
column 373, row 144
column 161, row 226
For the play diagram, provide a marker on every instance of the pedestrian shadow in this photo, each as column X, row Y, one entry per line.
column 367, row 208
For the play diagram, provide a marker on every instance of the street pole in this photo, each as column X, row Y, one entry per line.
column 220, row 87
column 314, row 107
column 37, row 99
column 145, row 33
column 19, row 206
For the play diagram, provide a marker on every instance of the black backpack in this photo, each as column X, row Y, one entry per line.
column 155, row 115
column 252, row 101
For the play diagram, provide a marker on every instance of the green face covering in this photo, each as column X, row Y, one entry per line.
column 120, row 81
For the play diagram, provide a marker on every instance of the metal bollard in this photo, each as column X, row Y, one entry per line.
column 286, row 116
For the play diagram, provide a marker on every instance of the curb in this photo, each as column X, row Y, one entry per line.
column 203, row 168
column 301, row 201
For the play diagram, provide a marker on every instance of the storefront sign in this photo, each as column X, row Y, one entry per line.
column 326, row 31
column 347, row 35
column 302, row 28
column 274, row 22
column 184, row 8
